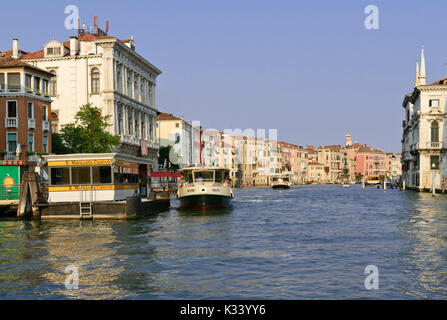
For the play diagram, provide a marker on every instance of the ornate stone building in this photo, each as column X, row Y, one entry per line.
column 108, row 73
column 423, row 149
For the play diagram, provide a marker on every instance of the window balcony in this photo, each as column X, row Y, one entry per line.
column 434, row 145
column 429, row 146
column 12, row 88
column 130, row 140
column 11, row 156
column 31, row 124
column 10, row 122
column 45, row 125
column 23, row 89
column 33, row 157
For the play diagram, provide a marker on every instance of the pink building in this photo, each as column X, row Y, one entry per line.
column 370, row 161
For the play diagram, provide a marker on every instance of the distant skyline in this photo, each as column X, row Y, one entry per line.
column 309, row 69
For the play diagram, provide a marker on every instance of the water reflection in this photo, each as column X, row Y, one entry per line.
column 37, row 254
column 205, row 213
column 305, row 243
column 426, row 256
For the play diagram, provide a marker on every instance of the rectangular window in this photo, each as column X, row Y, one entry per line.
column 45, row 87
column 37, row 85
column 2, row 82
column 120, row 120
column 130, row 122
column 44, row 113
column 59, row 176
column 30, row 142
column 14, row 82
column 102, row 175
column 434, row 162
column 45, row 144
column 124, row 175
column 12, row 141
column 143, row 129
column 12, row 109
column 137, row 127
column 28, row 82
column 30, row 110
column 434, row 102
column 80, row 175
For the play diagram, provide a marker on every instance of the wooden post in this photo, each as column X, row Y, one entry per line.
column 443, row 185
column 363, row 182
column 433, row 183
column 384, row 184
column 403, row 185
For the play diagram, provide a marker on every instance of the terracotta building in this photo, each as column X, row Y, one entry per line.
column 25, row 106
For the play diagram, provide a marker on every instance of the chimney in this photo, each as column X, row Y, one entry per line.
column 73, row 45
column 15, row 48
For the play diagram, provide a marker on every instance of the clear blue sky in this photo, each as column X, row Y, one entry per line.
column 308, row 68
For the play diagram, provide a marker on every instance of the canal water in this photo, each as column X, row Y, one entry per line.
column 309, row 242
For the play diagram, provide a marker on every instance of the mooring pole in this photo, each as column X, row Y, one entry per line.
column 403, row 185
column 363, row 182
column 384, row 184
column 433, row 183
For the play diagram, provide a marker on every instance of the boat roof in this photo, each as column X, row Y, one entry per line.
column 95, row 156
column 203, row 169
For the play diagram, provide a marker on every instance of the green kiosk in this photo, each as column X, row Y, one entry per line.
column 11, row 173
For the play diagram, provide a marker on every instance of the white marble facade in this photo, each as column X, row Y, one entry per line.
column 424, row 134
column 109, row 74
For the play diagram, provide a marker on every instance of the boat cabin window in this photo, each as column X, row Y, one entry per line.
column 203, row 176
column 102, row 174
column 125, row 175
column 222, row 176
column 80, row 175
column 187, row 176
column 60, row 176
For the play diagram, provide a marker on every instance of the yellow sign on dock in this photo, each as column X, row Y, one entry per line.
column 79, row 163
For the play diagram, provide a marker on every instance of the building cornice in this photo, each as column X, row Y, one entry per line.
column 132, row 102
column 133, row 53
column 99, row 55
column 25, row 95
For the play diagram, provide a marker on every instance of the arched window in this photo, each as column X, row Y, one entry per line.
column 434, row 131
column 119, row 80
column 53, row 84
column 95, row 80
column 129, row 84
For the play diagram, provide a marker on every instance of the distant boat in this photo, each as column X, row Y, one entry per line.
column 346, row 185
column 373, row 180
column 205, row 188
column 280, row 182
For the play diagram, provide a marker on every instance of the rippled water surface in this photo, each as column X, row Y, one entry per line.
column 309, row 242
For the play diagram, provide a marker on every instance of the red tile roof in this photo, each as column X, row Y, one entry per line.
column 40, row 53
column 166, row 116
column 7, row 62
column 443, row 81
